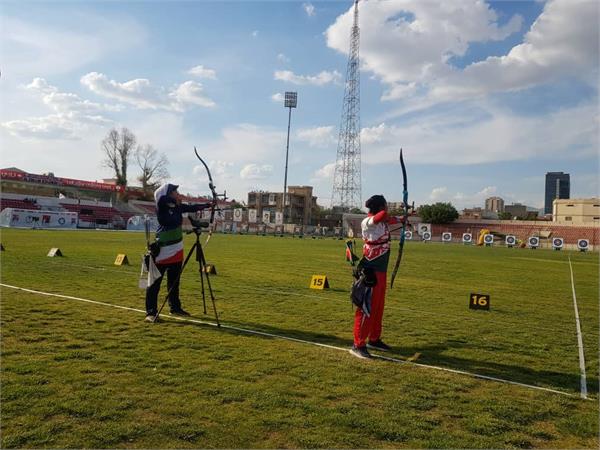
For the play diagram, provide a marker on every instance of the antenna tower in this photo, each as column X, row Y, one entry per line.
column 346, row 179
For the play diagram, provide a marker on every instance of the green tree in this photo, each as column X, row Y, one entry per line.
column 438, row 213
column 504, row 216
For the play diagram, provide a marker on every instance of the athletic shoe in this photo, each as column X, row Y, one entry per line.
column 152, row 318
column 379, row 345
column 179, row 312
column 360, row 352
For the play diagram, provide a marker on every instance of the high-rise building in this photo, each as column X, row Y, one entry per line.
column 558, row 185
column 494, row 204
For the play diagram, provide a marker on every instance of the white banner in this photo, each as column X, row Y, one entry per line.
column 31, row 218
column 266, row 217
column 278, row 218
column 237, row 215
column 252, row 215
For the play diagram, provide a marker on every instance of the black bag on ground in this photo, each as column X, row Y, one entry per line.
column 362, row 288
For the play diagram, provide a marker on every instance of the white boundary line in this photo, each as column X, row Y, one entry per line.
column 583, row 381
column 289, row 338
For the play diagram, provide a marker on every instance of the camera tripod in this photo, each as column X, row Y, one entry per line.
column 197, row 250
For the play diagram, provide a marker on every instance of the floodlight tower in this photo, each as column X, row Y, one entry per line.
column 346, row 180
column 290, row 101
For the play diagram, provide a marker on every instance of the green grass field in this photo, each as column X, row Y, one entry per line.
column 78, row 374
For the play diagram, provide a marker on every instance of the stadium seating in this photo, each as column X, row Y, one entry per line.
column 22, row 204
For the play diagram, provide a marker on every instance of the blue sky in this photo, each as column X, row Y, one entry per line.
column 485, row 98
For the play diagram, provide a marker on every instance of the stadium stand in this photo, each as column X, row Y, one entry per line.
column 97, row 204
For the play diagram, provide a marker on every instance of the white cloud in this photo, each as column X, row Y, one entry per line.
column 563, row 41
column 317, row 136
column 256, row 171
column 220, row 168
column 190, row 93
column 203, row 72
column 64, row 102
column 278, row 97
column 373, row 134
column 255, row 33
column 487, row 191
column 246, row 143
column 309, row 9
column 322, row 78
column 326, row 172
column 461, row 200
column 282, row 58
column 462, row 137
column 143, row 95
column 29, row 49
column 438, row 194
column 54, row 126
column 413, row 40
column 410, row 47
column 71, row 119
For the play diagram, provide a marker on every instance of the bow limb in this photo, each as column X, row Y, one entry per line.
column 214, row 194
column 403, row 232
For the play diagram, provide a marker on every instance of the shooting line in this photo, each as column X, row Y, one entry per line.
column 317, row 344
column 583, row 381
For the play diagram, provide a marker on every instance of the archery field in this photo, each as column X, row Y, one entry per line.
column 80, row 367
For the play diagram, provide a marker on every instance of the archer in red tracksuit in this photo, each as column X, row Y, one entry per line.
column 376, row 255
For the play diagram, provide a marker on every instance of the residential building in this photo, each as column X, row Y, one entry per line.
column 300, row 204
column 558, row 185
column 577, row 211
column 516, row 210
column 472, row 213
column 494, row 204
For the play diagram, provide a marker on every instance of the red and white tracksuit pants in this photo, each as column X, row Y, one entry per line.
column 370, row 327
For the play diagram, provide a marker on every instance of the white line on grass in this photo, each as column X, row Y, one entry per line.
column 583, row 381
column 289, row 338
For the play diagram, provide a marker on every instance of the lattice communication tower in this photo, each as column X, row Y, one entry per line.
column 346, row 180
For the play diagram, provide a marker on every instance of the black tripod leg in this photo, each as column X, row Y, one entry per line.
column 187, row 258
column 199, row 258
column 206, row 274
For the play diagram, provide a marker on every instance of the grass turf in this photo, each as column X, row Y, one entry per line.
column 83, row 375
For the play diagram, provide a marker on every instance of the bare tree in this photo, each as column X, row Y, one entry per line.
column 117, row 148
column 153, row 166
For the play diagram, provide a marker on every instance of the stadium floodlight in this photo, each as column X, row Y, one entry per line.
column 290, row 101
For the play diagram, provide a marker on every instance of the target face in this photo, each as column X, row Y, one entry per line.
column 510, row 240
column 583, row 244
column 237, row 215
column 557, row 242
column 423, row 228
column 488, row 239
column 408, row 235
column 534, row 241
column 427, row 236
column 446, row 237
column 467, row 237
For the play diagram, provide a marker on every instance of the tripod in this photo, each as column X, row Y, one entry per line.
column 197, row 250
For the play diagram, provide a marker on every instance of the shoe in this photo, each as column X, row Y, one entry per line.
column 360, row 352
column 151, row 318
column 379, row 345
column 179, row 312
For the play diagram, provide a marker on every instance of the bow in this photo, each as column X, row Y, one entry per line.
column 215, row 196
column 403, row 232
